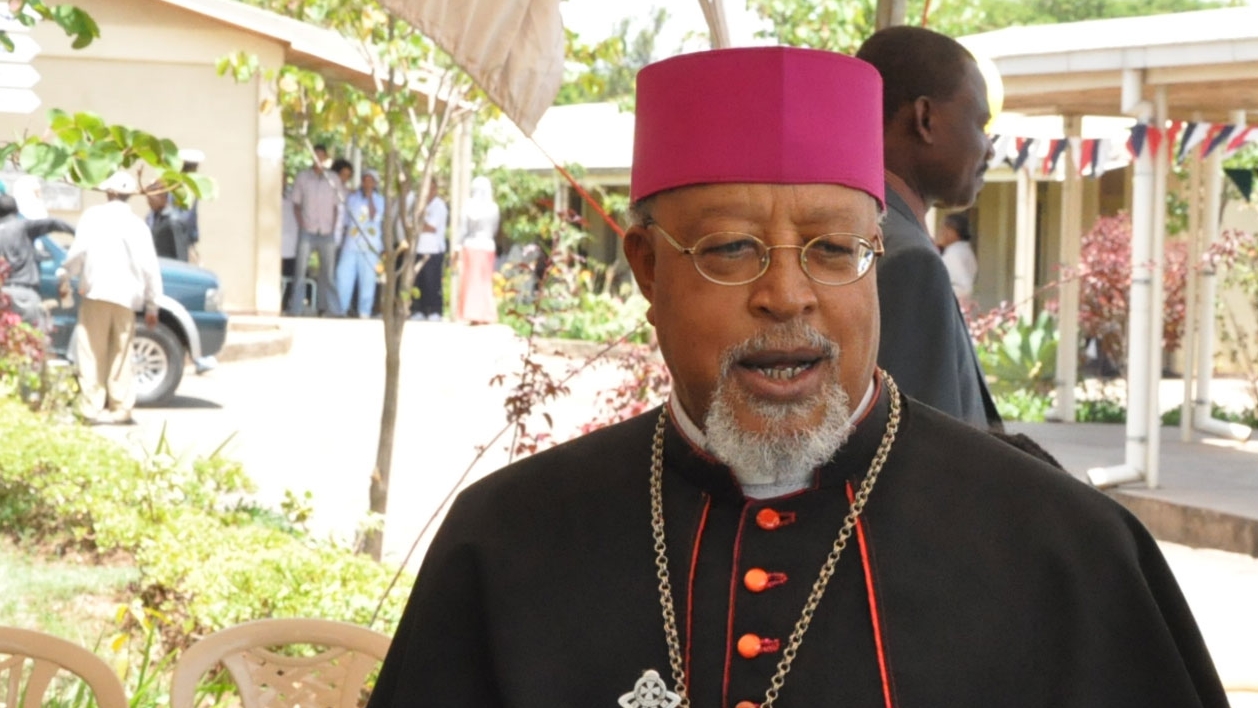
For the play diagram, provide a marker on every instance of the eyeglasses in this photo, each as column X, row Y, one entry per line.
column 730, row 258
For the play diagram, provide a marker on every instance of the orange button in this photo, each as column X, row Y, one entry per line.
column 749, row 646
column 768, row 519
column 756, row 580
column 747, row 704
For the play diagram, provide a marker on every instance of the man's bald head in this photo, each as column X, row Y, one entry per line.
column 914, row 62
column 935, row 113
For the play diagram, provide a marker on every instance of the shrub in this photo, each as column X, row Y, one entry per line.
column 1105, row 287
column 206, row 558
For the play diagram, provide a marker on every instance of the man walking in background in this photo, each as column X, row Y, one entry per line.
column 113, row 258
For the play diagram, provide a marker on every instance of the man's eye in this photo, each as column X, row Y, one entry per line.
column 832, row 249
column 730, row 248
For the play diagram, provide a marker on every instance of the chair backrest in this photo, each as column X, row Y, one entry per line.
column 265, row 679
column 47, row 655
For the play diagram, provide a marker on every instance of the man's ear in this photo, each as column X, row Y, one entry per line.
column 923, row 119
column 640, row 252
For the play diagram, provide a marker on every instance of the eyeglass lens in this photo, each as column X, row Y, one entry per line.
column 832, row 259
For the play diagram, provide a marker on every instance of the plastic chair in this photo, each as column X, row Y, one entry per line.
column 264, row 679
column 48, row 655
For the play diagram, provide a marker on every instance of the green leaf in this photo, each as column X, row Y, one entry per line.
column 94, row 169
column 6, row 41
column 91, row 124
column 44, row 160
column 204, row 187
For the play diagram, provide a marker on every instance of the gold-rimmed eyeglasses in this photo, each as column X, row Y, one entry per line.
column 732, row 258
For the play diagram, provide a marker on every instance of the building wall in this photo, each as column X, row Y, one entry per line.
column 153, row 69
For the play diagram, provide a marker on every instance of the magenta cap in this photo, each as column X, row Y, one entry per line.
column 777, row 115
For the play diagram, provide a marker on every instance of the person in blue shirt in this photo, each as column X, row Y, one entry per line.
column 360, row 250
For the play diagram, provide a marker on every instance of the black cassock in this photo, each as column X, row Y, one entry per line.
column 979, row 577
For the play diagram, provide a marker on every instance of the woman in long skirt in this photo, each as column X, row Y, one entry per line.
column 476, row 287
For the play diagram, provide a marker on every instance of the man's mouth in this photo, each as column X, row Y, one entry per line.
column 782, row 366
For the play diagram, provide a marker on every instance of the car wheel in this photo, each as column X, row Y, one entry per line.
column 158, row 358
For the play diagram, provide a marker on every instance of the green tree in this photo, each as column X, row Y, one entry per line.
column 401, row 122
column 842, row 26
column 608, row 68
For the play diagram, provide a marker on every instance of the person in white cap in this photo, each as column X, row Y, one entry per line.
column 788, row 529
column 114, row 259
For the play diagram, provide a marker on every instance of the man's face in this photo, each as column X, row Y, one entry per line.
column 158, row 200
column 962, row 147
column 699, row 322
column 321, row 159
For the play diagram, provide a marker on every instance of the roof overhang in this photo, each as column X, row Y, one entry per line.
column 1207, row 61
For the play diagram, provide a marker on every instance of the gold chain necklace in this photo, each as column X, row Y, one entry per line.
column 818, row 587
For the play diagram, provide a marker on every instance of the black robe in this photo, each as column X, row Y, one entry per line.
column 980, row 577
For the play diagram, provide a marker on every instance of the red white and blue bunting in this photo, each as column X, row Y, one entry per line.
column 1093, row 157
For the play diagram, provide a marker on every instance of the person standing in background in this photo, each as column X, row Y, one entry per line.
column 958, row 257
column 17, row 248
column 476, row 283
column 316, row 199
column 430, row 254
column 362, row 245
column 168, row 226
column 936, row 149
column 113, row 257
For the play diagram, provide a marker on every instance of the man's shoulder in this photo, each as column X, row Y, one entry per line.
column 979, row 469
column 591, row 464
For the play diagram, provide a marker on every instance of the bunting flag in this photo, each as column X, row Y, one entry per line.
column 1135, row 143
column 1194, row 134
column 1076, row 150
column 1172, row 133
column 1218, row 135
column 1088, row 156
column 1055, row 149
column 1243, row 178
column 1155, row 139
column 1004, row 148
column 1243, row 134
column 1024, row 151
column 1104, row 154
column 1092, row 157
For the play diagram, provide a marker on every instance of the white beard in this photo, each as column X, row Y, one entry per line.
column 785, row 453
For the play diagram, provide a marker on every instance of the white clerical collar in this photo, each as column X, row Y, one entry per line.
column 699, row 440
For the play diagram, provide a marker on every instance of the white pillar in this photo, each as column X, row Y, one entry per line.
column 1068, row 292
column 1024, row 253
column 1202, row 419
column 1191, row 296
column 1157, row 297
column 1139, row 302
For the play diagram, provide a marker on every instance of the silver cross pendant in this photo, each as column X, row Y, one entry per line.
column 650, row 691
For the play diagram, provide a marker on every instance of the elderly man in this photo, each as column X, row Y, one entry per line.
column 788, row 527
column 113, row 258
column 935, row 114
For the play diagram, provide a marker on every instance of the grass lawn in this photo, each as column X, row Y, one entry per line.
column 69, row 598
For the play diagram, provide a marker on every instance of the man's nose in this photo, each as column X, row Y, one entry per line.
column 784, row 291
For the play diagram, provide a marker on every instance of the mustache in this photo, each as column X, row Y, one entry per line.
column 795, row 334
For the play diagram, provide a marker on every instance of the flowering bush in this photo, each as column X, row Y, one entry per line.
column 22, row 347
column 1105, row 287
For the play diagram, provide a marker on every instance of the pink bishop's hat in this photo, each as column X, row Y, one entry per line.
column 777, row 115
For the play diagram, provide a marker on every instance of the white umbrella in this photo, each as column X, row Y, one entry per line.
column 514, row 49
